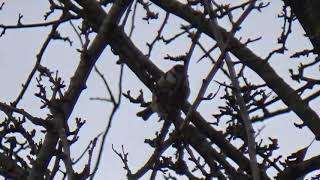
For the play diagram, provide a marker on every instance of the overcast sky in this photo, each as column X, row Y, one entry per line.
column 18, row 50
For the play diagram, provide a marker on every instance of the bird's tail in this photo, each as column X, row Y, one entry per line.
column 146, row 113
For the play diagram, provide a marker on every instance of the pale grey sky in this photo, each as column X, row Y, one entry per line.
column 18, row 50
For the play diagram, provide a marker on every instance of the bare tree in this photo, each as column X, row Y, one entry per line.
column 245, row 88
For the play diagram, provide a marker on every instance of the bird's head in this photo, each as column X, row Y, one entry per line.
column 178, row 69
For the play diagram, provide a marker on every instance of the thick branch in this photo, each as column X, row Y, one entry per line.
column 77, row 84
column 308, row 14
column 11, row 168
column 297, row 170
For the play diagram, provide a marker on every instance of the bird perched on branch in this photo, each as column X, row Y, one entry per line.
column 169, row 95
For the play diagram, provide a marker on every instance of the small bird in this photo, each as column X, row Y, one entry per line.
column 169, row 95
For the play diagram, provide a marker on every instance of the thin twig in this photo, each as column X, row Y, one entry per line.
column 39, row 58
column 237, row 90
